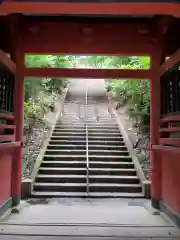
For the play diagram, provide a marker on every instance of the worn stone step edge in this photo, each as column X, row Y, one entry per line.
column 84, row 128
column 90, row 141
column 85, row 176
column 89, row 133
column 95, row 146
column 90, row 194
column 90, row 184
column 90, row 156
column 90, row 169
column 89, row 137
column 90, row 150
column 90, row 162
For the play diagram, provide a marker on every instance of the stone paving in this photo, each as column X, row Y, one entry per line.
column 76, row 218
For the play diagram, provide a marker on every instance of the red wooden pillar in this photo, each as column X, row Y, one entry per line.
column 18, row 56
column 155, row 158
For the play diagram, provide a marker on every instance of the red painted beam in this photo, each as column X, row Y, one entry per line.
column 169, row 119
column 90, row 8
column 170, row 141
column 81, row 49
column 160, row 148
column 4, row 138
column 6, row 116
column 7, row 62
column 9, row 146
column 6, row 126
column 99, row 38
column 86, row 73
column 84, row 38
column 169, row 129
column 170, row 62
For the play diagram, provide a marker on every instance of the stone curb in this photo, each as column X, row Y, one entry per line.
column 146, row 185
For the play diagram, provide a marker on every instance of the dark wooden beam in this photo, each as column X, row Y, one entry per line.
column 87, row 73
column 7, row 62
column 170, row 62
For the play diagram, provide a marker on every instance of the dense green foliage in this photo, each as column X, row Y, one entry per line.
column 40, row 93
column 134, row 93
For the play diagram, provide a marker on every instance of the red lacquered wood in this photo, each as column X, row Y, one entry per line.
column 6, row 116
column 9, row 137
column 170, row 141
column 170, row 62
column 86, row 73
column 170, row 129
column 7, row 62
column 90, row 8
column 9, row 146
column 174, row 118
column 18, row 57
column 165, row 148
column 155, row 158
column 6, row 126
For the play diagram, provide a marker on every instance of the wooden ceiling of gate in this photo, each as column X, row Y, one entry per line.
column 83, row 36
column 88, row 38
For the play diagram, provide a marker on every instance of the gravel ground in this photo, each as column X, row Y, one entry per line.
column 36, row 139
column 31, row 151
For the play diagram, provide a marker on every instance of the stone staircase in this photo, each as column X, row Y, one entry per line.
column 87, row 156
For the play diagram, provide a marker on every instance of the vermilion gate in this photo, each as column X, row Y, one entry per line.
column 155, row 35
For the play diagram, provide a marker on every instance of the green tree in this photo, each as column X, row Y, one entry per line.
column 134, row 92
column 40, row 93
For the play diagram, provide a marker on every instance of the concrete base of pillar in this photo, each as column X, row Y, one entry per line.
column 26, row 186
column 146, row 188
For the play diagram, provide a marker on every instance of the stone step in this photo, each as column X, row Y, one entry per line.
column 95, row 147
column 90, row 134
column 69, row 134
column 60, row 187
column 76, row 137
column 45, row 194
column 89, row 124
column 90, row 142
column 92, row 171
column 64, row 129
column 64, row 164
column 81, row 187
column 77, row 129
column 90, row 119
column 115, row 187
column 62, row 137
column 83, row 126
column 82, row 120
column 66, row 146
column 92, row 164
column 82, row 178
column 83, row 151
column 63, row 171
column 90, row 157
column 103, row 130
